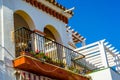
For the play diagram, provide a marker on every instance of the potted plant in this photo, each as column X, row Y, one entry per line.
column 73, row 69
column 41, row 56
column 32, row 53
column 62, row 64
column 49, row 60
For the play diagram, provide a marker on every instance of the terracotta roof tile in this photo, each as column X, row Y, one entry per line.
column 48, row 10
column 59, row 5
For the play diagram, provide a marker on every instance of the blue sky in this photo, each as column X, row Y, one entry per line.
column 96, row 19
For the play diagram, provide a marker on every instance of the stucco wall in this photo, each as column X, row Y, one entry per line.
column 40, row 20
column 101, row 75
column 1, row 71
column 1, row 52
column 0, row 28
column 8, row 49
column 107, row 74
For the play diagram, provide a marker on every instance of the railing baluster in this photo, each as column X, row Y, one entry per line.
column 27, row 40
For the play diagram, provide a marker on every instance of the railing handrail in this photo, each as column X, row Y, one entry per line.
column 35, row 44
column 50, row 40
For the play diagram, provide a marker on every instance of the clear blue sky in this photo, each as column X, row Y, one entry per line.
column 96, row 19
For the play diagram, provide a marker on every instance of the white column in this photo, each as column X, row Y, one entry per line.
column 83, row 43
column 7, row 42
column 7, row 29
column 103, row 54
column 2, row 69
column 1, row 30
column 70, row 35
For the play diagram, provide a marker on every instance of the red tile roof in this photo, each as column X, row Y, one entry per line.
column 50, row 11
column 59, row 5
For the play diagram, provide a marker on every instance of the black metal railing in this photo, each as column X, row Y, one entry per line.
column 40, row 47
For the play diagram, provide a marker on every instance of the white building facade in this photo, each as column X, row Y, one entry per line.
column 35, row 18
column 48, row 19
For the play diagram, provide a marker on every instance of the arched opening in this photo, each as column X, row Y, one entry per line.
column 19, row 21
column 22, row 19
column 49, row 34
column 22, row 26
column 52, row 33
column 54, row 50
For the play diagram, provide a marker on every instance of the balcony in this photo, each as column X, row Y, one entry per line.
column 40, row 55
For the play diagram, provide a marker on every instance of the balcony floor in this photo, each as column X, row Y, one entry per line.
column 42, row 68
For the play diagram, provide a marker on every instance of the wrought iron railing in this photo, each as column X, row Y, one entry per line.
column 40, row 47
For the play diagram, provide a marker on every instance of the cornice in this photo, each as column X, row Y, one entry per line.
column 61, row 16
